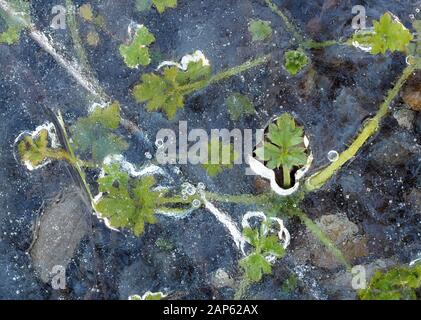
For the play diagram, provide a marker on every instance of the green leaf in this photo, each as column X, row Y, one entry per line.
column 252, row 236
column 137, row 52
column 255, row 266
column 34, row 150
column 260, row 30
column 113, row 175
column 127, row 203
column 148, row 296
column 162, row 5
column 196, row 71
column 389, row 35
column 263, row 243
column 295, row 61
column 85, row 12
column 93, row 136
column 284, row 145
column 166, row 92
column 215, row 146
column 399, row 283
column 154, row 296
column 11, row 35
column 238, row 105
column 16, row 24
column 289, row 284
column 270, row 245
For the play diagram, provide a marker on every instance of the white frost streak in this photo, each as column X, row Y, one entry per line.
column 226, row 221
column 46, row 44
column 197, row 56
column 146, row 170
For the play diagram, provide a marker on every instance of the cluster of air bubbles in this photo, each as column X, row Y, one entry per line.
column 148, row 155
column 413, row 16
column 333, row 156
column 188, row 189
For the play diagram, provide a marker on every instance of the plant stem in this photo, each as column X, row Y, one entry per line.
column 369, row 128
column 187, row 89
column 288, row 24
column 311, row 44
column 75, row 164
column 242, row 289
column 286, row 176
column 77, row 43
column 174, row 200
column 245, row 199
column 60, row 154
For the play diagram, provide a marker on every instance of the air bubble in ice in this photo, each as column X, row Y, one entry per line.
column 191, row 191
column 333, row 156
column 148, row 155
column 196, row 203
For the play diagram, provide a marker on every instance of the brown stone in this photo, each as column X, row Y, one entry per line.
column 412, row 92
column 343, row 233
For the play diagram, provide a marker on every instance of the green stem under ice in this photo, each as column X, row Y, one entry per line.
column 75, row 164
column 188, row 89
column 244, row 199
column 286, row 176
column 288, row 24
column 175, row 200
column 369, row 128
column 242, row 289
column 311, row 44
column 78, row 45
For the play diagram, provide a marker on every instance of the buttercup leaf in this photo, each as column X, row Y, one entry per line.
column 260, row 30
column 295, row 61
column 126, row 202
column 238, row 105
column 162, row 5
column 34, row 150
column 255, row 266
column 399, row 283
column 166, row 92
column 389, row 34
column 284, row 146
column 137, row 52
column 93, row 136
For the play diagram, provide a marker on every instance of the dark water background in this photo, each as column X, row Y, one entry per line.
column 347, row 87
